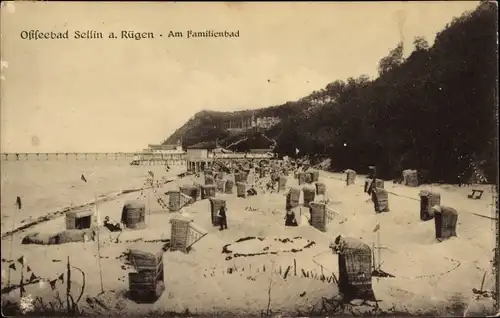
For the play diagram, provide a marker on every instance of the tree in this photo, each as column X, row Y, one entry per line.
column 336, row 88
column 363, row 79
column 420, row 43
column 424, row 112
column 394, row 59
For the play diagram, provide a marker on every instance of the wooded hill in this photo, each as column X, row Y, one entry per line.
column 435, row 110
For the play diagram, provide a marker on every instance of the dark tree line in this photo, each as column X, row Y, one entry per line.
column 434, row 111
column 208, row 125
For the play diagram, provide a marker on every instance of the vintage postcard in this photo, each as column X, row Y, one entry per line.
column 249, row 159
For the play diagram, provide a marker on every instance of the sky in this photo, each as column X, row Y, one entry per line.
column 114, row 95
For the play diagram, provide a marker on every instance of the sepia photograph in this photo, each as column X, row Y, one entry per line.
column 249, row 159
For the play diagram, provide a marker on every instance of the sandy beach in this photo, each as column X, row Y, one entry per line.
column 429, row 277
column 51, row 186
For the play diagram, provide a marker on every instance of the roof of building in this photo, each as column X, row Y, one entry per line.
column 79, row 214
column 221, row 150
column 209, row 145
column 162, row 147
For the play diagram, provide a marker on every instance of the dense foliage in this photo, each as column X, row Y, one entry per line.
column 435, row 110
column 206, row 126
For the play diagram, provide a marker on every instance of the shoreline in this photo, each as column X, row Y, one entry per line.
column 53, row 215
column 105, row 198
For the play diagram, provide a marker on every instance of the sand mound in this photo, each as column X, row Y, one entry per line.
column 39, row 238
column 67, row 236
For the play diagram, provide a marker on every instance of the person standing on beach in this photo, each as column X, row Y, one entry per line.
column 373, row 176
column 290, row 218
column 222, row 218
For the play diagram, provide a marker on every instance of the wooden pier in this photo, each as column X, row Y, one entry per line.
column 25, row 156
column 133, row 158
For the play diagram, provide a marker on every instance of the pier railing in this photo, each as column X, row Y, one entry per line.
column 130, row 156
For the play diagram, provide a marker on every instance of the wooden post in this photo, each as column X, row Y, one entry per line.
column 482, row 282
column 21, row 285
column 12, row 243
column 68, row 285
column 149, row 201
column 99, row 247
column 379, row 248
column 373, row 257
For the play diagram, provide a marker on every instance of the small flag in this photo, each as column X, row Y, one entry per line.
column 19, row 203
column 53, row 284
column 12, row 266
column 21, row 260
column 61, row 278
column 377, row 227
column 151, row 173
column 83, row 178
column 297, row 151
column 32, row 277
column 28, row 269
